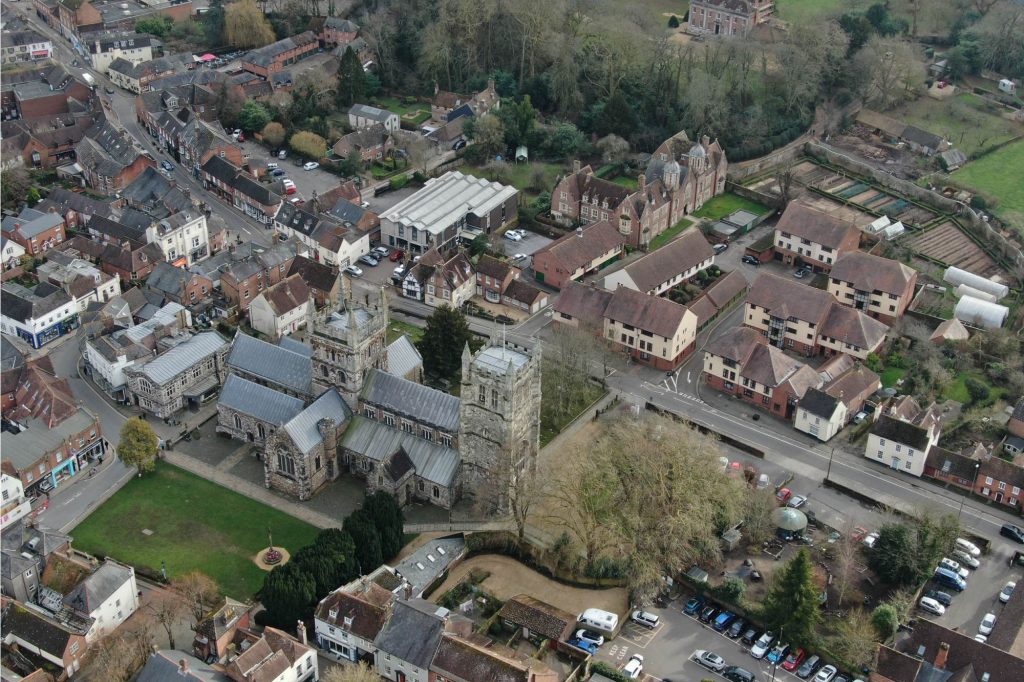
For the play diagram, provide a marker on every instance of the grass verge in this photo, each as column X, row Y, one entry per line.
column 725, row 204
column 396, row 328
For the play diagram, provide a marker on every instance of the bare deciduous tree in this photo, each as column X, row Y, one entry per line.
column 856, row 640
column 167, row 607
column 351, row 673
column 757, row 515
column 199, row 592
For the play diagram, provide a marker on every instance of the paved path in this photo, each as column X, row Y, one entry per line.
column 250, row 490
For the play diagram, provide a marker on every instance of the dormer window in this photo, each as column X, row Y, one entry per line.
column 333, row 613
column 348, row 621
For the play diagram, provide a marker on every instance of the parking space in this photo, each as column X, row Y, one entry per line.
column 307, row 182
column 982, row 593
column 529, row 244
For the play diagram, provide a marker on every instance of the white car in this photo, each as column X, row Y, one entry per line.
column 709, row 659
column 1004, row 595
column 310, row 165
column 980, row 638
column 634, row 667
column 968, row 546
column 513, row 236
column 646, row 619
column 762, row 645
column 870, row 539
column 966, row 559
column 590, row 637
column 353, row 271
column 931, row 606
column 951, row 565
column 826, row 674
column 987, row 623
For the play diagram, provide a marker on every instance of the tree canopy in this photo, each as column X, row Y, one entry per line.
column 905, row 554
column 445, row 336
column 254, row 116
column 138, row 445
column 791, row 605
column 245, row 25
column 352, row 84
column 308, row 144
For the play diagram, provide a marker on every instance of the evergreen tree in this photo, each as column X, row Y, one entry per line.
column 213, row 23
column 518, row 119
column 791, row 606
column 367, row 541
column 352, row 85
column 447, row 333
column 288, row 593
column 617, row 117
column 383, row 509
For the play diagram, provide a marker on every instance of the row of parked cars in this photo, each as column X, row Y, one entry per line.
column 763, row 645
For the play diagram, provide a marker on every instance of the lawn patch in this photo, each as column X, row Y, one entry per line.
column 196, row 524
column 396, row 328
column 552, row 423
column 999, row 174
column 670, row 234
column 726, row 204
column 519, row 175
column 800, row 10
column 969, row 122
column 398, row 106
column 625, row 181
column 891, row 375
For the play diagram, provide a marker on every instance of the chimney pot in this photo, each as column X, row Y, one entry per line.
column 941, row 656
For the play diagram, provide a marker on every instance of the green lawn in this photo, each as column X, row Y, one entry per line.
column 797, row 10
column 625, row 181
column 1000, row 174
column 725, row 204
column 670, row 234
column 957, row 389
column 195, row 524
column 396, row 105
column 969, row 122
column 520, row 175
column 891, row 375
column 551, row 424
column 396, row 328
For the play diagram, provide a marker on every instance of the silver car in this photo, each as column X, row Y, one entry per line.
column 709, row 659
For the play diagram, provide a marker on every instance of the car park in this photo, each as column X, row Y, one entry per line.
column 930, row 605
column 708, row 614
column 737, row 628
column 944, row 598
column 734, row 673
column 762, row 645
column 809, row 667
column 1004, row 594
column 966, row 559
column 777, row 654
column 1013, row 532
column 310, row 165
column 645, row 618
column 967, row 546
column 826, row 674
column 353, row 271
column 634, row 667
column 951, row 565
column 367, row 259
column 750, row 260
column 723, row 620
column 693, row 606
column 987, row 623
column 793, row 659
column 585, row 635
column 709, row 659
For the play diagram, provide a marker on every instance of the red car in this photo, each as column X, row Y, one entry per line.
column 783, row 495
column 859, row 533
column 793, row 661
column 396, row 255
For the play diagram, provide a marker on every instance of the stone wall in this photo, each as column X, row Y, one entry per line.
column 249, row 429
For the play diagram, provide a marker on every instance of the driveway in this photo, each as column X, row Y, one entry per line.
column 509, row 578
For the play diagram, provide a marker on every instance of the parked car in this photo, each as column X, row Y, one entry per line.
column 109, row 90
column 513, row 236
column 709, row 659
column 987, row 623
column 980, row 638
column 241, row 137
column 737, row 628
column 367, row 259
column 708, row 613
column 1004, row 594
column 283, row 154
column 931, row 606
column 762, row 645
column 951, row 565
column 777, row 654
column 271, row 165
column 750, row 635
column 1013, row 532
column 459, row 144
column 944, row 598
column 870, row 539
column 396, row 255
column 809, row 667
column 634, row 667
column 585, row 646
column 723, row 620
column 966, row 559
column 277, row 172
column 693, row 606
column 585, row 635
column 801, row 273
column 719, row 248
column 290, row 189
column 353, row 271
column 167, row 166
column 310, row 165
column 646, row 619
column 750, row 260
column 381, row 251
column 793, row 659
column 949, row 579
column 783, row 495
column 797, row 501
column 826, row 674
column 734, row 673
column 967, row 546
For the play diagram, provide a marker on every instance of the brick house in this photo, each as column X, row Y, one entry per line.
column 109, row 159
column 277, row 56
column 244, row 280
column 178, row 284
column 34, row 230
column 728, row 17
column 806, row 235
column 976, row 468
column 136, row 77
column 337, row 31
column 372, row 143
column 45, row 94
column 79, row 17
column 245, row 193
column 131, row 261
column 806, row 320
column 59, row 644
column 1016, row 424
column 574, row 255
column 76, row 208
column 323, row 281
column 881, row 287
column 676, row 263
column 498, row 282
column 44, row 143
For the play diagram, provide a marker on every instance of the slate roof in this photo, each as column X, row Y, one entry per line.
column 31, row 223
column 265, row 56
column 221, row 169
column 872, row 273
column 950, row 463
column 23, row 304
column 573, row 251
column 175, row 361
column 408, row 399
column 296, row 346
column 819, row 403
column 372, row 113
column 274, row 364
column 922, row 137
column 806, row 222
column 258, row 401
column 96, row 589
column 345, row 210
column 378, row 441
column 675, row 258
column 413, row 632
column 164, row 666
column 168, row 279
column 890, row 428
column 1018, row 410
column 36, row 629
column 117, row 230
column 544, row 619
column 302, row 428
column 316, row 275
column 106, row 150
column 654, row 314
column 369, row 137
column 66, row 200
column 403, row 357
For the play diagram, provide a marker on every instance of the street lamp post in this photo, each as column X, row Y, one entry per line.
column 830, row 456
column 974, row 483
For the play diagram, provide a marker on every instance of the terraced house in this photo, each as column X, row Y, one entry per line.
column 806, row 235
column 881, row 287
column 275, row 57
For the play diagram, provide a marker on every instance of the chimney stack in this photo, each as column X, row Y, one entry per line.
column 641, row 182
column 575, row 165
column 705, row 141
column 301, row 629
column 941, row 656
column 408, row 591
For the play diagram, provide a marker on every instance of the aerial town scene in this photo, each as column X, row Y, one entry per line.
column 512, row 340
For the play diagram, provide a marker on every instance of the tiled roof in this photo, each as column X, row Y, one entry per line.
column 785, row 298
column 819, row 403
column 408, row 399
column 816, row 226
column 964, row 651
column 573, row 251
column 315, row 275
column 363, row 613
column 676, row 257
column 41, row 395
column 492, row 267
column 544, row 619
column 256, row 400
column 872, row 273
column 770, row 366
column 583, row 302
column 654, row 314
column 36, row 630
column 853, row 327
column 91, row 593
column 265, row 56
column 466, row 660
column 303, row 427
column 736, row 345
column 518, row 290
column 286, row 295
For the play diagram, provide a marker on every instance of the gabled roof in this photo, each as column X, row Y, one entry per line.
column 286, row 295
column 409, row 399
column 467, row 659
column 362, row 612
column 377, row 441
column 274, row 364
column 853, row 327
column 654, row 314
column 41, row 395
column 896, row 430
column 177, row 666
column 37, row 630
column 492, row 267
column 872, row 273
column 518, row 290
column 785, row 298
column 403, row 357
column 372, row 113
column 265, row 56
column 303, row 428
column 316, row 275
column 676, row 257
column 168, row 279
column 769, row 366
column 597, row 190
column 583, row 302
column 256, row 400
column 819, row 403
column 413, row 632
column 807, row 222
column 544, row 619
column 964, row 652
column 186, row 354
column 575, row 250
column 90, row 594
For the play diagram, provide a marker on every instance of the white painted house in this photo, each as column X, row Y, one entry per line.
column 350, row 618
column 82, row 280
column 183, row 237
column 282, row 309
column 14, row 503
column 902, row 435
column 364, row 116
column 11, row 252
column 38, row 315
column 108, row 596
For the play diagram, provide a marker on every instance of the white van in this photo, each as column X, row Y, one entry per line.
column 597, row 619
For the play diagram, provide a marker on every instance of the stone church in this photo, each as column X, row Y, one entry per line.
column 413, row 441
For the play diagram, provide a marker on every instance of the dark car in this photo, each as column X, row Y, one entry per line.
column 723, row 620
column 167, row 166
column 1013, row 532
column 750, row 260
column 693, row 606
column 708, row 614
column 277, row 172
column 737, row 628
column 734, row 673
column 367, row 259
column 944, row 598
column 750, row 636
column 109, row 90
column 809, row 667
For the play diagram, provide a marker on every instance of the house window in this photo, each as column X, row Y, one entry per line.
column 370, row 412
column 437, row 491
column 1002, row 485
column 1016, row 490
column 881, row 442
column 420, row 486
column 285, row 464
column 988, row 480
column 316, row 463
column 907, row 465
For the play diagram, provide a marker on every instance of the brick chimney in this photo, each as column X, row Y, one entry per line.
column 575, row 165
column 641, row 182
column 301, row 629
column 941, row 656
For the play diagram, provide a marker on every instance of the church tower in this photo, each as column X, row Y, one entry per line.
column 347, row 343
column 499, row 418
